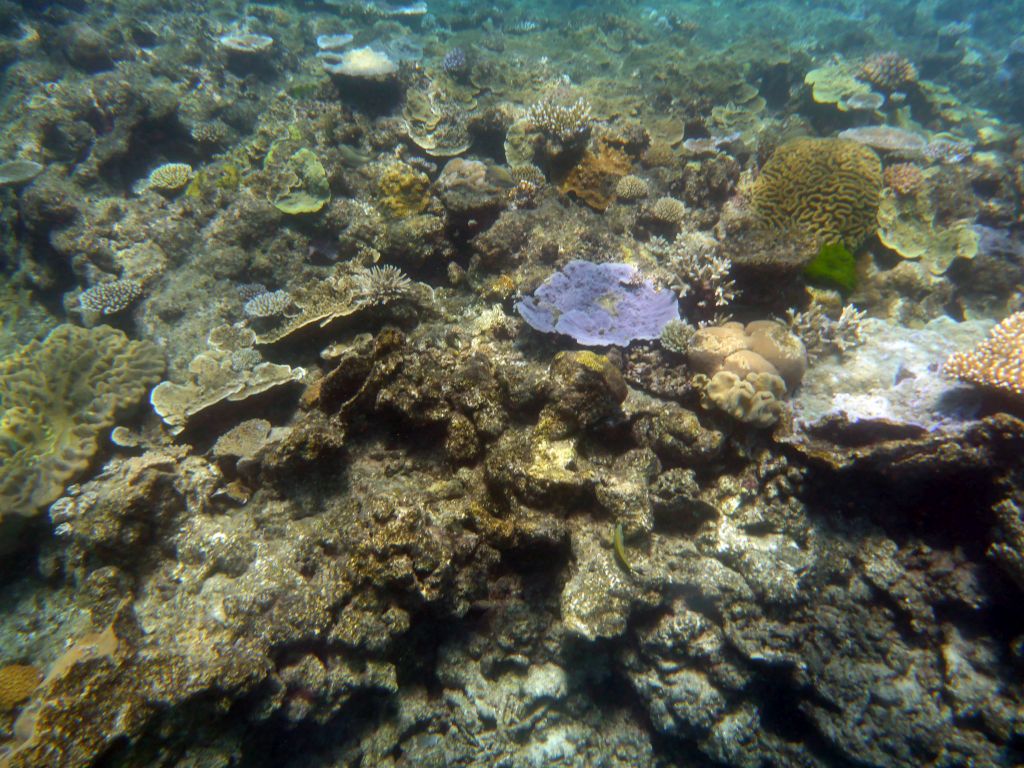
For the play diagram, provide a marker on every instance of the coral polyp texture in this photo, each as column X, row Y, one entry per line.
column 827, row 189
column 17, row 682
column 904, row 178
column 111, row 297
column 170, row 177
column 57, row 397
column 888, row 71
column 997, row 363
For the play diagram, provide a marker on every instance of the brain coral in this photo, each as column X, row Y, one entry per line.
column 826, row 188
column 57, row 397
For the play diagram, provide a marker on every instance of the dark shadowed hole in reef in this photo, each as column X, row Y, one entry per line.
column 152, row 142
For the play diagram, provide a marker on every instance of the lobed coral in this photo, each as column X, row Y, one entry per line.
column 57, row 397
column 996, row 363
column 827, row 189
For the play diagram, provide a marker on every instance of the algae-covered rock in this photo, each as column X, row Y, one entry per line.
column 907, row 225
column 57, row 397
column 300, row 181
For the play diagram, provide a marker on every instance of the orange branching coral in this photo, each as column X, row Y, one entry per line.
column 904, row 178
column 827, row 190
column 593, row 179
column 888, row 71
column 996, row 363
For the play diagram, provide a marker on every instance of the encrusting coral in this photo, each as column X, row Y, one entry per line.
column 996, row 363
column 57, row 396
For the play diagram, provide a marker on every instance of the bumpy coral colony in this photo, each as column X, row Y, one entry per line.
column 522, row 383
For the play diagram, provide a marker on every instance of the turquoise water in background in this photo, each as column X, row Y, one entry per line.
column 511, row 384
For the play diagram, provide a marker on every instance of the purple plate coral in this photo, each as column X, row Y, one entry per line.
column 600, row 304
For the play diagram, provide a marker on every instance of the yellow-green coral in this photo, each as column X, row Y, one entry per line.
column 906, row 224
column 57, row 397
column 835, row 83
column 298, row 180
column 403, row 191
column 825, row 189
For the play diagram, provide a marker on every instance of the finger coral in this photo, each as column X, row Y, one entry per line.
column 57, row 397
column 996, row 363
column 825, row 188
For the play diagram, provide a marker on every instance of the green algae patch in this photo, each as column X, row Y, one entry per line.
column 834, row 267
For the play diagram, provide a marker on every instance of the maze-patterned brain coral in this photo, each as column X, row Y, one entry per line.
column 826, row 189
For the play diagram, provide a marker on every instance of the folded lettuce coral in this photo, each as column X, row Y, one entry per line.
column 599, row 304
column 57, row 398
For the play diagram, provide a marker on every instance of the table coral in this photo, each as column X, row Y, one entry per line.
column 996, row 363
column 57, row 397
column 827, row 188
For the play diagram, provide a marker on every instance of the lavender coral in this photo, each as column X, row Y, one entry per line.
column 599, row 304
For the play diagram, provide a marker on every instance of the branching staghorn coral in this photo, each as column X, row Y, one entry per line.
column 701, row 274
column 821, row 334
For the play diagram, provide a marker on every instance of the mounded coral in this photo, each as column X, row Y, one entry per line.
column 826, row 189
column 402, row 190
column 888, row 71
column 763, row 346
column 57, row 397
column 904, row 178
column 755, row 399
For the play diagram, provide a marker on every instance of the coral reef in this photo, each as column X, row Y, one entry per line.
column 996, row 363
column 825, row 188
column 599, row 304
column 58, row 396
column 473, row 445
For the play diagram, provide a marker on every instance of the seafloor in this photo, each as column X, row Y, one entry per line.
column 565, row 384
